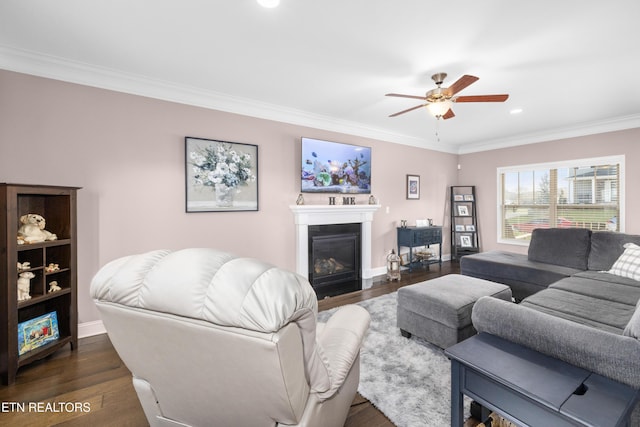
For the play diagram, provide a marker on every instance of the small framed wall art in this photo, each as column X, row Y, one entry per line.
column 413, row 187
column 220, row 176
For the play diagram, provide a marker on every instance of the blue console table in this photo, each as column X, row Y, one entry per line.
column 412, row 237
column 532, row 389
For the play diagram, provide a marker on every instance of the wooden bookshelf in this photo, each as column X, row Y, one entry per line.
column 58, row 206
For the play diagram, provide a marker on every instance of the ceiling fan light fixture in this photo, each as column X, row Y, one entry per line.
column 269, row 3
column 440, row 108
column 439, row 100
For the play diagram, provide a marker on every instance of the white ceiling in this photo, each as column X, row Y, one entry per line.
column 573, row 66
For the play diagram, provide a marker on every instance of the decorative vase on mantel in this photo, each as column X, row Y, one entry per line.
column 224, row 195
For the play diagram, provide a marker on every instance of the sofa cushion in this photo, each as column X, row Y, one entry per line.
column 525, row 277
column 606, row 248
column 610, row 316
column 602, row 286
column 607, row 277
column 628, row 265
column 567, row 247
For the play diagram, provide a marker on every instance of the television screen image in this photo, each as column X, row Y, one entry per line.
column 332, row 167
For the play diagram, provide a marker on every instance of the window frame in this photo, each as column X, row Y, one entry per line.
column 587, row 162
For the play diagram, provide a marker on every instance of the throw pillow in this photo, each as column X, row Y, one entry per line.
column 606, row 248
column 628, row 264
column 567, row 247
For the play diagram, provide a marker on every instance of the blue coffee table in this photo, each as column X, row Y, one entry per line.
column 532, row 389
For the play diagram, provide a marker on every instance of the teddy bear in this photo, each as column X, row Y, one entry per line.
column 32, row 229
column 23, row 285
column 51, row 268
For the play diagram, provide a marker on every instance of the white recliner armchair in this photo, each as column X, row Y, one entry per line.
column 217, row 340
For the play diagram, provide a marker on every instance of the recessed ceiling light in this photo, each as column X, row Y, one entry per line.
column 516, row 111
column 269, row 3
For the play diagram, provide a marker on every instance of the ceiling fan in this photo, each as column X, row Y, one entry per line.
column 440, row 100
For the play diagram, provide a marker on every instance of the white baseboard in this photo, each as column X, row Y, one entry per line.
column 378, row 271
column 89, row 329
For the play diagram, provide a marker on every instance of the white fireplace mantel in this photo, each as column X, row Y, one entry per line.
column 306, row 215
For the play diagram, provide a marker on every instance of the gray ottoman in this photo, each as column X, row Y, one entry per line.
column 439, row 310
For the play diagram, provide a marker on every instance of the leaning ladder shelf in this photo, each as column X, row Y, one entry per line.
column 464, row 221
column 58, row 206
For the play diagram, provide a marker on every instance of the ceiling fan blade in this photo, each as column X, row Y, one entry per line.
column 460, row 84
column 481, row 98
column 407, row 110
column 448, row 115
column 406, row 96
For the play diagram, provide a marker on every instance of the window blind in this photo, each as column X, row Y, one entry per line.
column 573, row 194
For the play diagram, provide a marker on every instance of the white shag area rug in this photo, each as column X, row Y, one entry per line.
column 409, row 380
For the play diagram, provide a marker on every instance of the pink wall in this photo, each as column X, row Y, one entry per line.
column 480, row 169
column 127, row 152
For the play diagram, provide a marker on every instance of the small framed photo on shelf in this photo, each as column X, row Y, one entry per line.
column 413, row 187
column 468, row 197
column 465, row 242
column 37, row 332
column 463, row 210
column 460, row 227
column 470, row 227
column 458, row 198
column 404, row 258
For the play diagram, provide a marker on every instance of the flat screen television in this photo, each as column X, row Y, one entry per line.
column 333, row 167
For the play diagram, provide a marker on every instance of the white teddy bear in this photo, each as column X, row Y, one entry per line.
column 23, row 285
column 32, row 229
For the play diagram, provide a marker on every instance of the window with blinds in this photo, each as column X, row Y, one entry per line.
column 579, row 193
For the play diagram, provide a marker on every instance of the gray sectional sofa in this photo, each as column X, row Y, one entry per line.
column 572, row 307
column 554, row 254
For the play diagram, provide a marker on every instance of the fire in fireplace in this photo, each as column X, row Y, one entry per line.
column 334, row 258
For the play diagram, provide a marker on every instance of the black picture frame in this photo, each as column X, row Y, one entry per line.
column 466, row 241
column 413, row 187
column 220, row 176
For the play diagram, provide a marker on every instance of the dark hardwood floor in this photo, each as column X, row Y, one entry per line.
column 92, row 387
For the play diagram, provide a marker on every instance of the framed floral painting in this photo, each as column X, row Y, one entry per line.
column 221, row 176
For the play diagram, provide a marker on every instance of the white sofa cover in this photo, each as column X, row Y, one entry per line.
column 215, row 339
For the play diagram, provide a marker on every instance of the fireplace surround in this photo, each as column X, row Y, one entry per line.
column 310, row 215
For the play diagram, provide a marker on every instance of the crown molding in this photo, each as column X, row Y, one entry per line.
column 57, row 68
column 583, row 129
column 48, row 66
